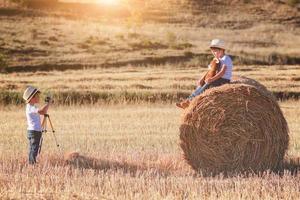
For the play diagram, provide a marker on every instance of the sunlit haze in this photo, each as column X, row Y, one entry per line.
column 106, row 2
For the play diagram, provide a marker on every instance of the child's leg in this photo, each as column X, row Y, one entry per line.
column 219, row 82
column 34, row 141
column 37, row 144
column 198, row 91
column 185, row 103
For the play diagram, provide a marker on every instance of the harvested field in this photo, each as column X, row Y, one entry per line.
column 133, row 148
column 132, row 84
column 111, row 41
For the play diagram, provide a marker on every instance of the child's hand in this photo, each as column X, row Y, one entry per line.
column 209, row 80
column 199, row 82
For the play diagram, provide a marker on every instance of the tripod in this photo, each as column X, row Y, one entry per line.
column 44, row 130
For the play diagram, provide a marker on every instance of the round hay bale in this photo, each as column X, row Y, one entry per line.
column 252, row 82
column 234, row 128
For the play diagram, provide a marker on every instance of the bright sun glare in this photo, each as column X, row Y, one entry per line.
column 108, row 2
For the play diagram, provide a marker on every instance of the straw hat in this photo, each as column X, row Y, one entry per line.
column 217, row 43
column 29, row 93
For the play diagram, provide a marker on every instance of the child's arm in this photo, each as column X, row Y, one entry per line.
column 218, row 75
column 201, row 80
column 44, row 109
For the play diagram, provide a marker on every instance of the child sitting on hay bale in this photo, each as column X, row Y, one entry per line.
column 220, row 72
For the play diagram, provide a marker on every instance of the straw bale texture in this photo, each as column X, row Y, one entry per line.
column 234, row 128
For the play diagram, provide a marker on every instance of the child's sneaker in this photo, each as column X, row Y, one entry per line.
column 183, row 104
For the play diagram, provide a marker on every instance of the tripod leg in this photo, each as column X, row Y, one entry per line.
column 51, row 124
column 44, row 124
column 44, row 129
column 53, row 131
column 40, row 145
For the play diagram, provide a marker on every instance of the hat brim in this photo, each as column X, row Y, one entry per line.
column 32, row 95
column 218, row 47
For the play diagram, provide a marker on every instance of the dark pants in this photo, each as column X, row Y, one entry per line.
column 206, row 86
column 34, row 138
column 219, row 82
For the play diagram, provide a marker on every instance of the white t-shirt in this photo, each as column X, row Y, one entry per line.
column 33, row 118
column 226, row 60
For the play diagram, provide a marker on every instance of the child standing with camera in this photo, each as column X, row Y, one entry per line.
column 34, row 127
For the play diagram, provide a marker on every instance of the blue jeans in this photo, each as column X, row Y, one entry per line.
column 34, row 138
column 200, row 90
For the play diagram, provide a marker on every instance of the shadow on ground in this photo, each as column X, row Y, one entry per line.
column 84, row 162
column 290, row 166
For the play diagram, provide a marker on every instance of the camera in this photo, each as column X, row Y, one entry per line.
column 48, row 99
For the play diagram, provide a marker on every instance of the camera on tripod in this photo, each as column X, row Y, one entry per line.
column 48, row 99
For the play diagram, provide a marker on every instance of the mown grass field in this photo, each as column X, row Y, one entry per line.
column 144, row 142
column 115, row 77
column 43, row 40
column 165, row 83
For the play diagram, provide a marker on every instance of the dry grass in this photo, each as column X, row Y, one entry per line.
column 137, row 84
column 53, row 41
column 135, row 155
column 33, row 41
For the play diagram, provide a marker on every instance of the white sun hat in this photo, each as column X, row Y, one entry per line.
column 29, row 93
column 217, row 43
